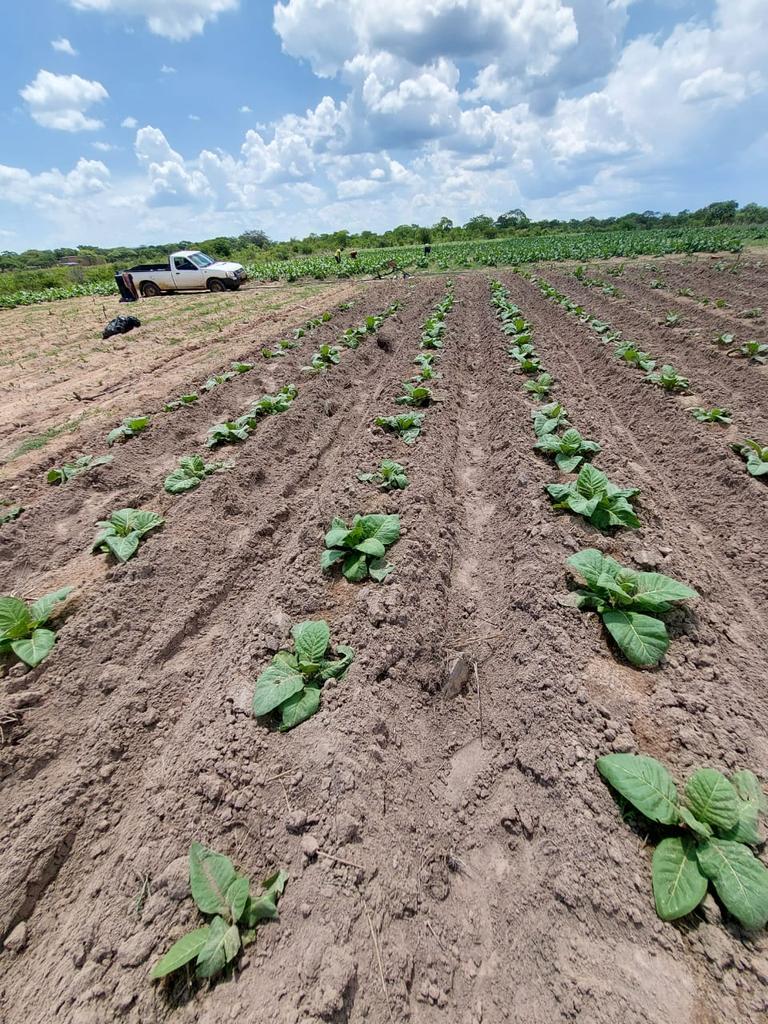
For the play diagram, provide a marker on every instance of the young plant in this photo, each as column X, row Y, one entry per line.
column 193, row 469
column 406, row 425
column 630, row 354
column 361, row 548
column 715, row 824
column 271, row 405
column 673, row 319
column 754, row 313
column 225, row 896
column 232, row 431
column 669, row 379
column 527, row 363
column 548, row 418
column 756, row 456
column 714, row 415
column 229, row 432
column 20, row 623
column 72, row 469
column 521, row 350
column 417, row 395
column 593, row 496
column 326, row 355
column 426, row 373
column 724, row 340
column 181, row 402
column 272, row 353
column 540, row 387
column 9, row 512
column 628, row 602
column 654, row 283
column 216, row 379
column 390, row 476
column 128, row 428
column 290, row 687
column 124, row 530
column 242, row 367
column 570, row 449
column 432, row 333
column 352, row 337
column 754, row 350
column 425, row 360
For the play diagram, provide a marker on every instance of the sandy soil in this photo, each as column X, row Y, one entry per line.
column 450, row 858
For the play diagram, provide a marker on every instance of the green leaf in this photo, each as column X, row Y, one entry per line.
column 33, row 649
column 379, row 569
column 741, row 881
column 299, row 708
column 181, row 952
column 644, row 782
column 142, row 522
column 42, row 609
column 355, row 567
column 371, row 546
column 336, row 669
column 237, row 897
column 699, row 828
column 210, row 875
column 311, row 640
column 275, row 685
column 642, row 639
column 749, row 789
column 655, row 591
column 15, row 618
column 678, row 884
column 385, row 528
column 123, row 548
column 221, row 947
column 591, row 564
column 712, row 798
column 329, row 558
column 751, row 803
column 181, row 480
column 264, row 908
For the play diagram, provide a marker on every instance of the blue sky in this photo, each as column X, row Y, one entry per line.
column 154, row 120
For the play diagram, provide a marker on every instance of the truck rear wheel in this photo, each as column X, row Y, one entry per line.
column 215, row 284
column 149, row 289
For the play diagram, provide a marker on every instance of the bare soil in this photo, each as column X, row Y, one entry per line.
column 451, row 858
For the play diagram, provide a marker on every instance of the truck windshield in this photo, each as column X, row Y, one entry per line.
column 201, row 260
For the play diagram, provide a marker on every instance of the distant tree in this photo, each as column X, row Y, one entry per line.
column 753, row 214
column 481, row 226
column 511, row 219
column 220, row 247
column 718, row 213
column 444, row 224
column 258, row 238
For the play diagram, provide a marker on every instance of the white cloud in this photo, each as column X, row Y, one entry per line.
column 167, row 70
column 104, row 147
column 129, row 122
column 193, row 117
column 20, row 186
column 60, row 101
column 64, row 46
column 245, row 109
column 173, row 19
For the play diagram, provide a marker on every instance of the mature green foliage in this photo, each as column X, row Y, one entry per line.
column 406, row 425
column 593, row 496
column 628, row 603
column 223, row 894
column 290, row 688
column 21, row 622
column 715, row 823
column 630, row 354
column 669, row 379
column 232, row 431
column 714, row 415
column 128, row 428
column 192, row 470
column 181, row 402
column 390, row 476
column 570, row 449
column 72, row 469
column 755, row 454
column 122, row 533
column 361, row 547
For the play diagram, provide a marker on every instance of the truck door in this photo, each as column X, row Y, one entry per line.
column 186, row 274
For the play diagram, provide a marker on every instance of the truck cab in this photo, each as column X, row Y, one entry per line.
column 187, row 270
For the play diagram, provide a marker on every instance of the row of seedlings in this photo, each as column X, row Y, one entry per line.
column 709, row 831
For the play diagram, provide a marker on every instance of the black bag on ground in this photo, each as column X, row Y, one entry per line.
column 120, row 325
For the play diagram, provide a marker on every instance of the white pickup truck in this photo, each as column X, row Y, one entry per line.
column 187, row 270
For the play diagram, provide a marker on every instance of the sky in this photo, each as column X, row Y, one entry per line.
column 125, row 122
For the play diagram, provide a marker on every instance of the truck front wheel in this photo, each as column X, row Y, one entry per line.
column 215, row 284
column 149, row 289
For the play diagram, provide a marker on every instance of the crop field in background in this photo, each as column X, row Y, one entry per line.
column 401, row 650
column 98, row 280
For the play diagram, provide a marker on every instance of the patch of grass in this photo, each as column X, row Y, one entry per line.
column 41, row 440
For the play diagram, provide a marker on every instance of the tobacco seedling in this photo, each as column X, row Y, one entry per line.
column 724, row 340
column 548, row 418
column 242, row 367
column 630, row 354
column 669, row 379
column 673, row 319
column 755, row 351
column 715, row 823
column 593, row 496
column 527, row 363
column 425, row 360
column 223, row 894
column 540, row 387
column 232, row 431
column 754, row 313
column 216, row 379
column 714, row 415
column 432, row 333
column 229, row 432
column 426, row 373
column 361, row 548
column 570, row 449
column 192, row 470
column 290, row 687
column 181, row 402
column 756, row 456
column 390, row 476
column 415, row 394
column 406, row 425
column 9, row 513
column 326, row 355
column 124, row 530
column 654, row 284
column 521, row 350
column 72, row 469
column 20, row 623
column 628, row 602
column 128, row 428
column 352, row 337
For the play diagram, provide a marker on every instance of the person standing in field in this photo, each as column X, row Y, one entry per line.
column 337, row 256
